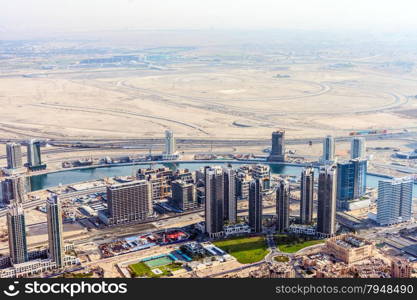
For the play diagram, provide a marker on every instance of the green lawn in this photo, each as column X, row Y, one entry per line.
column 282, row 258
column 245, row 250
column 140, row 269
column 292, row 248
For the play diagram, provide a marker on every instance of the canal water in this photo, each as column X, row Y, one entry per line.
column 65, row 177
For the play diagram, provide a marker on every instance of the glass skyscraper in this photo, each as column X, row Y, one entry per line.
column 351, row 181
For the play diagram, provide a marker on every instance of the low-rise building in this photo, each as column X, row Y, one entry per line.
column 236, row 229
column 400, row 268
column 302, row 229
column 349, row 248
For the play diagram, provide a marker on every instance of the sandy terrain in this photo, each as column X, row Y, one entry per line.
column 217, row 90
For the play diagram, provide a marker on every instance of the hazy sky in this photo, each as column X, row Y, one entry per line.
column 29, row 16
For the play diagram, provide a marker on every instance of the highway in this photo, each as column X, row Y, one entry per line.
column 237, row 269
column 403, row 169
column 69, row 145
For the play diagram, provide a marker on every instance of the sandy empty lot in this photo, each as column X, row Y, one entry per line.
column 223, row 91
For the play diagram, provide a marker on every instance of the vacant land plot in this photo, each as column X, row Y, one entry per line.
column 245, row 250
column 292, row 248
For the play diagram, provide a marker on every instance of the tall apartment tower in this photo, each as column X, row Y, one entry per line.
column 328, row 149
column 395, row 200
column 351, row 181
column 214, row 192
column 17, row 234
column 170, row 147
column 14, row 189
column 283, row 206
column 358, row 148
column 34, row 155
column 255, row 205
column 55, row 231
column 2, row 193
column 129, row 202
column 326, row 210
column 278, row 146
column 230, row 199
column 14, row 155
column 184, row 195
column 307, row 195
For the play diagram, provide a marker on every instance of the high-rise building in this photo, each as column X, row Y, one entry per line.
column 2, row 194
column 34, row 155
column 394, row 204
column 278, row 146
column 358, row 148
column 326, row 210
column 160, row 180
column 243, row 179
column 184, row 175
column 214, row 192
column 170, row 147
column 129, row 202
column 17, row 234
column 55, row 230
column 351, row 181
column 262, row 172
column 283, row 206
column 230, row 199
column 6, row 191
column 14, row 155
column 14, row 189
column 307, row 196
column 184, row 195
column 255, row 205
column 328, row 149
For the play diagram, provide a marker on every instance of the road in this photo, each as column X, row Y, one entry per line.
column 403, row 169
column 238, row 269
column 69, row 145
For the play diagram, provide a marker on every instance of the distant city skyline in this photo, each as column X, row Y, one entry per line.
column 69, row 16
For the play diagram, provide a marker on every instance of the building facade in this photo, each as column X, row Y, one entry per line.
column 358, row 148
column 283, row 206
column 351, row 181
column 184, row 195
column 306, row 196
column 159, row 179
column 14, row 155
column 328, row 149
column 55, row 230
column 255, row 205
column 230, row 199
column 129, row 202
column 17, row 234
column 278, row 146
column 262, row 172
column 170, row 147
column 34, row 158
column 326, row 198
column 395, row 200
column 214, row 193
column 401, row 268
column 349, row 248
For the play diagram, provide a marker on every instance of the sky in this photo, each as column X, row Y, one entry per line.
column 29, row 16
